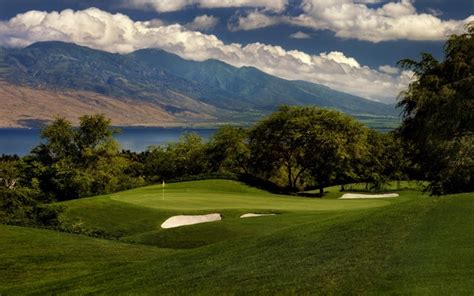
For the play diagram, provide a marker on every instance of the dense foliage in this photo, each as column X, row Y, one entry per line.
column 21, row 201
column 70, row 163
column 86, row 161
column 439, row 115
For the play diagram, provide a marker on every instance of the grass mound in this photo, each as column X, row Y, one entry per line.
column 410, row 245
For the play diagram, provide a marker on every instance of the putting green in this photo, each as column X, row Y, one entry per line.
column 225, row 194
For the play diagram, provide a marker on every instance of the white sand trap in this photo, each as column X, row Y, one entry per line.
column 251, row 215
column 356, row 196
column 182, row 220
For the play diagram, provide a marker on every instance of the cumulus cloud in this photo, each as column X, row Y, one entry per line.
column 119, row 34
column 355, row 19
column 203, row 23
column 434, row 11
column 174, row 5
column 156, row 23
column 300, row 35
column 389, row 69
column 340, row 58
column 368, row 1
column 254, row 20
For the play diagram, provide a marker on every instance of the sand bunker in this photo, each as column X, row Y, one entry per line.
column 182, row 220
column 356, row 196
column 250, row 215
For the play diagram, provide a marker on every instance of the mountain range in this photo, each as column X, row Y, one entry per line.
column 150, row 87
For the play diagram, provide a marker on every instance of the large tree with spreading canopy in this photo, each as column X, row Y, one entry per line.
column 307, row 145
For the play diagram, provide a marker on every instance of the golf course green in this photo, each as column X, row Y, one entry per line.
column 114, row 245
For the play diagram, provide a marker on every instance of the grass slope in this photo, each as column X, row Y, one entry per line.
column 410, row 245
column 34, row 257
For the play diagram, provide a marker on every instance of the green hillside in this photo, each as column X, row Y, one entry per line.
column 413, row 244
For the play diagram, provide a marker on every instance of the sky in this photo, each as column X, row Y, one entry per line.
column 348, row 45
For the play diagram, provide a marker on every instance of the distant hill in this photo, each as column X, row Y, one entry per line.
column 180, row 91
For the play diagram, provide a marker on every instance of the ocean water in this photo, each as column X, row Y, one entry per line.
column 20, row 141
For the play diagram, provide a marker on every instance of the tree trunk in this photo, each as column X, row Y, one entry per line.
column 243, row 167
column 321, row 190
column 342, row 188
column 10, row 184
column 290, row 178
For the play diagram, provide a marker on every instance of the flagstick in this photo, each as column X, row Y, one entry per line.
column 163, row 192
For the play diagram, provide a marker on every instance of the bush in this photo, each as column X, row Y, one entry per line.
column 21, row 207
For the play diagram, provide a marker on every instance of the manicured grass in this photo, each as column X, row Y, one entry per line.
column 136, row 215
column 414, row 244
column 35, row 257
column 226, row 195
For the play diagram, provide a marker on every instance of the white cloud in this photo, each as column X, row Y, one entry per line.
column 340, row 58
column 174, row 5
column 389, row 69
column 434, row 11
column 203, row 23
column 118, row 33
column 368, row 1
column 300, row 35
column 156, row 23
column 254, row 20
column 356, row 20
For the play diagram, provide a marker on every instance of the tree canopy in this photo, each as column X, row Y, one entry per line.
column 439, row 115
column 307, row 144
column 77, row 162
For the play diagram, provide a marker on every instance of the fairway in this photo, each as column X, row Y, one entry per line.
column 412, row 244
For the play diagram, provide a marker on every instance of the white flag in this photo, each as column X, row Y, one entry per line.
column 163, row 191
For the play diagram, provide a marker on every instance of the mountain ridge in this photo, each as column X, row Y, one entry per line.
column 192, row 92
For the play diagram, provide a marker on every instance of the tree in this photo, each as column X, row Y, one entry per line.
column 439, row 115
column 94, row 130
column 59, row 137
column 77, row 162
column 229, row 151
column 384, row 161
column 395, row 161
column 157, row 165
column 337, row 143
column 277, row 146
column 10, row 173
column 309, row 145
column 187, row 157
column 20, row 201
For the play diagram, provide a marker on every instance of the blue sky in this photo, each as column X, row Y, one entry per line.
column 350, row 42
